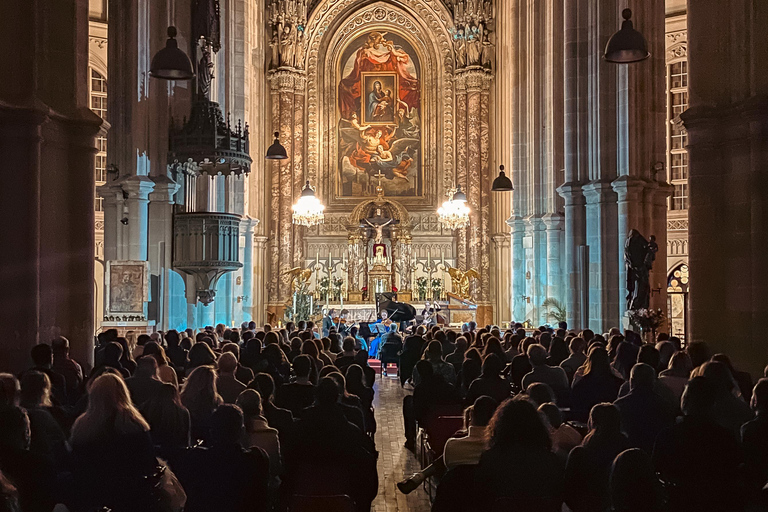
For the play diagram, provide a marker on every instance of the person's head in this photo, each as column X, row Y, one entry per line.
column 309, row 348
column 540, row 393
column 227, row 363
column 642, row 377
column 698, row 397
column 517, row 423
column 434, row 351
column 626, row 357
column 232, row 348
column 249, row 401
column 634, row 486
column 264, row 384
column 42, row 355
column 699, row 352
column 113, row 352
column 199, row 392
column 666, row 350
column 348, row 345
column 562, row 325
column 587, row 335
column 719, row 375
column 60, row 346
column 482, row 410
column 680, row 364
column 142, row 339
column 271, row 338
column 156, row 351
column 172, row 338
column 354, row 378
column 613, row 344
column 759, row 402
column 425, row 370
column 361, row 358
column 9, row 390
column 35, row 390
column 201, row 354
column 461, row 344
column 302, row 366
column 577, row 345
column 146, row 367
column 605, row 420
column 227, row 425
column 537, row 355
column 327, row 392
column 109, row 407
column 598, row 362
column 552, row 413
column 492, row 366
column 650, row 356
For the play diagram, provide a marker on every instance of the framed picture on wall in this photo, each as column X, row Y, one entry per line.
column 127, row 289
column 380, row 94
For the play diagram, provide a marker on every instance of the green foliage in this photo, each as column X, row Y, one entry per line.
column 555, row 310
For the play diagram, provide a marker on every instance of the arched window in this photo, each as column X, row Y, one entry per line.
column 98, row 100
column 677, row 301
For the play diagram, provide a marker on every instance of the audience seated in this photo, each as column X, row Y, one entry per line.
column 434, row 355
column 42, row 359
column 277, row 417
column 299, row 394
column 490, row 382
column 432, row 391
column 576, row 358
column 518, row 463
column 564, row 437
column 676, row 376
column 67, row 368
column 169, row 421
column 145, row 383
column 225, row 476
column 165, row 371
column 347, row 356
column 729, row 410
column 634, row 486
column 553, row 376
column 258, row 433
column 697, row 458
column 588, row 467
column 598, row 384
column 226, row 383
column 201, row 398
column 46, row 434
column 754, row 439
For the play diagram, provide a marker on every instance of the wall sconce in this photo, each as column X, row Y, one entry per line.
column 113, row 169
column 526, row 298
column 239, row 280
column 528, row 274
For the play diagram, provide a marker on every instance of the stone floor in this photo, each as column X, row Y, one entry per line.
column 394, row 460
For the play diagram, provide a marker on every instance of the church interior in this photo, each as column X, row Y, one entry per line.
column 176, row 165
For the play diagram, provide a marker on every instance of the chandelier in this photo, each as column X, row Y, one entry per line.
column 454, row 213
column 308, row 210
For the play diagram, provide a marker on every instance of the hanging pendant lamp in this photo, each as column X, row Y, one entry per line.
column 627, row 45
column 308, row 210
column 502, row 183
column 276, row 151
column 171, row 63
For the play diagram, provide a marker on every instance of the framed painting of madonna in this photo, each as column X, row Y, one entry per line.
column 380, row 94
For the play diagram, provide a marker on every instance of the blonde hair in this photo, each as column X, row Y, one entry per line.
column 199, row 393
column 110, row 410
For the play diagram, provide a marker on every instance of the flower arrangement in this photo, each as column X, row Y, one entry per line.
column 421, row 287
column 437, row 288
column 336, row 290
column 324, row 288
column 646, row 320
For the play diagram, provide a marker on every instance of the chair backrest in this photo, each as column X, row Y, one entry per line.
column 336, row 503
column 442, row 429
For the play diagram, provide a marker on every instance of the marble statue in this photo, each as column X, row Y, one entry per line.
column 639, row 255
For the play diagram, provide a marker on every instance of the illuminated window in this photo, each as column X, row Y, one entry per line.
column 677, row 137
column 98, row 103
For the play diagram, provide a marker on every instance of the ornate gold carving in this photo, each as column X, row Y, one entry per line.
column 299, row 278
column 460, row 281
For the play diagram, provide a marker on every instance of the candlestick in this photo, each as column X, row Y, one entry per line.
column 442, row 257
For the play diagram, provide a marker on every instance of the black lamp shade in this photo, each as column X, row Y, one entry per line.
column 459, row 195
column 502, row 183
column 276, row 151
column 307, row 191
column 171, row 63
column 627, row 45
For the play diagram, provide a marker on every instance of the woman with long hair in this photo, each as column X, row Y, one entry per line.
column 201, row 398
column 47, row 435
column 676, row 376
column 259, row 433
column 164, row 370
column 201, row 354
column 519, row 464
column 113, row 456
column 169, row 421
column 355, row 385
column 127, row 358
column 597, row 384
column 588, row 467
column 626, row 357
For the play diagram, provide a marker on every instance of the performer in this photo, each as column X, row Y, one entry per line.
column 373, row 348
column 429, row 314
column 328, row 322
column 342, row 325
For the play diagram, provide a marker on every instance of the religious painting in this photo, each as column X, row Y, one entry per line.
column 127, row 286
column 379, row 108
column 379, row 102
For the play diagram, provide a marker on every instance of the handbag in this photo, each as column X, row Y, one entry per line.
column 167, row 490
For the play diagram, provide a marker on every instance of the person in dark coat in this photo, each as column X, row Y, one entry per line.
column 598, row 384
column 225, row 477
column 409, row 356
column 277, row 417
column 330, row 456
column 490, row 382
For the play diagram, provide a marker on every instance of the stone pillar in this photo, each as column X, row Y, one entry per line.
column 260, row 268
column 727, row 124
column 246, row 228
column 502, row 279
column 138, row 188
column 553, row 224
column 160, row 251
column 575, row 236
column 517, row 227
column 628, row 190
column 287, row 86
column 47, row 144
column 460, row 87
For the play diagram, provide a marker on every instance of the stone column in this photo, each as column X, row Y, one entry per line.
column 553, row 224
column 517, row 227
column 727, row 124
column 460, row 87
column 260, row 268
column 502, row 279
column 160, row 250
column 246, row 228
column 575, row 236
column 138, row 189
column 47, row 146
column 629, row 190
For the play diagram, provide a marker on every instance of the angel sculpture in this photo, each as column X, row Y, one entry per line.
column 299, row 278
column 460, row 280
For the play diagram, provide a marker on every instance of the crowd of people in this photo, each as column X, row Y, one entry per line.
column 249, row 419
column 560, row 420
column 221, row 420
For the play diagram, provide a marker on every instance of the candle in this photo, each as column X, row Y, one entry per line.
column 317, row 259
column 442, row 257
column 429, row 258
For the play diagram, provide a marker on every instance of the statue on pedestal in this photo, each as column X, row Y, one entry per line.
column 639, row 255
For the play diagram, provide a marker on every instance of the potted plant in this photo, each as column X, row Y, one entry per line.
column 437, row 288
column 421, row 287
